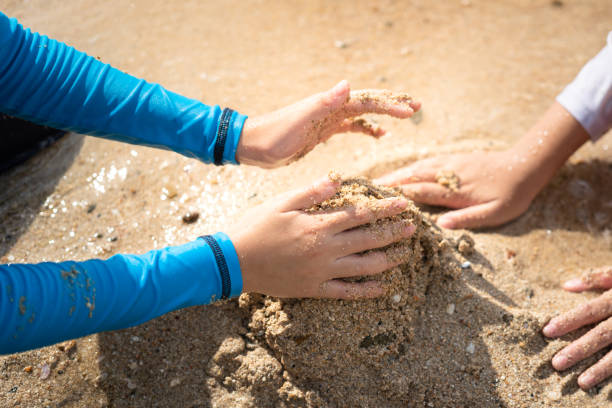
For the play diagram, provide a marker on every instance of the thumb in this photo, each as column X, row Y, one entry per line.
column 481, row 215
column 335, row 97
column 306, row 197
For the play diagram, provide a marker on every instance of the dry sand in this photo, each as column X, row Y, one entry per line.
column 483, row 70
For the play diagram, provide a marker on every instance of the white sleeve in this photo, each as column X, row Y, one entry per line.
column 589, row 97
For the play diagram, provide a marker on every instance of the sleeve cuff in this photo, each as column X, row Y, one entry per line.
column 233, row 137
column 588, row 98
column 226, row 265
column 233, row 264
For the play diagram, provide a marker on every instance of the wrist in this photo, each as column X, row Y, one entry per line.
column 250, row 150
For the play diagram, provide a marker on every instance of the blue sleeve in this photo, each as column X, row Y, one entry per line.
column 48, row 82
column 49, row 302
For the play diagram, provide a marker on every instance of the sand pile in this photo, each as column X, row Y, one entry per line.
column 356, row 353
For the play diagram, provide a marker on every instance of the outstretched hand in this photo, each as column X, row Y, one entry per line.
column 283, row 136
column 598, row 310
column 490, row 188
column 285, row 251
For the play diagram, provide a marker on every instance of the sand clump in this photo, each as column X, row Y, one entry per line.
column 448, row 179
column 354, row 353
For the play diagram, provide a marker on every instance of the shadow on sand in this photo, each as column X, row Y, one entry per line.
column 26, row 186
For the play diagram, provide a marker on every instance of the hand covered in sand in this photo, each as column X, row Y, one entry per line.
column 484, row 188
column 283, row 136
column 598, row 310
column 286, row 251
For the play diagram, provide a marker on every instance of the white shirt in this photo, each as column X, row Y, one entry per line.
column 589, row 97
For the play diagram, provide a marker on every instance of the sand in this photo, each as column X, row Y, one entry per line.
column 483, row 73
column 448, row 179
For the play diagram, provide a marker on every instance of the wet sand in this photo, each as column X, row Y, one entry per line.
column 484, row 71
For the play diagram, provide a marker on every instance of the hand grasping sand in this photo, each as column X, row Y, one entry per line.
column 285, row 135
column 285, row 250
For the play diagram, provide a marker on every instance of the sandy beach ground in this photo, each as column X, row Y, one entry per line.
column 484, row 72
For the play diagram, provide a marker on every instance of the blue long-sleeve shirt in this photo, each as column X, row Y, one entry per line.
column 50, row 83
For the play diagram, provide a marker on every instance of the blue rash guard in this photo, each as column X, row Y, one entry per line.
column 50, row 83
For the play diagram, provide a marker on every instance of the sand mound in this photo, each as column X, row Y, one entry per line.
column 354, row 353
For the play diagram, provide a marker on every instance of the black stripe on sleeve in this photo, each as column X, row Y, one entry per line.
column 226, row 283
column 222, row 130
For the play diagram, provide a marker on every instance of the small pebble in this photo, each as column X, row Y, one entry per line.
column 450, row 309
column 191, row 217
column 470, row 348
column 175, row 382
column 134, row 339
column 417, row 117
column 554, row 395
column 45, row 371
column 131, row 385
column 396, row 298
column 466, row 265
column 90, row 208
column 341, row 44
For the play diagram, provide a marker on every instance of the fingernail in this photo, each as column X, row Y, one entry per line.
column 586, row 380
column 559, row 362
column 574, row 284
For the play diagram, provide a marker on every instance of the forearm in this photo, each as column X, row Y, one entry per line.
column 48, row 82
column 582, row 111
column 45, row 303
column 546, row 147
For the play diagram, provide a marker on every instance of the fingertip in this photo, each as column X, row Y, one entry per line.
column 328, row 186
column 385, row 180
column 341, row 88
column 559, row 362
column 373, row 289
column 586, row 380
column 550, row 330
column 380, row 132
column 401, row 202
column 446, row 222
column 409, row 230
column 575, row 285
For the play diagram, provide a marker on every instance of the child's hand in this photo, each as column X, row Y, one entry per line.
column 287, row 252
column 491, row 189
column 598, row 311
column 495, row 187
column 285, row 135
